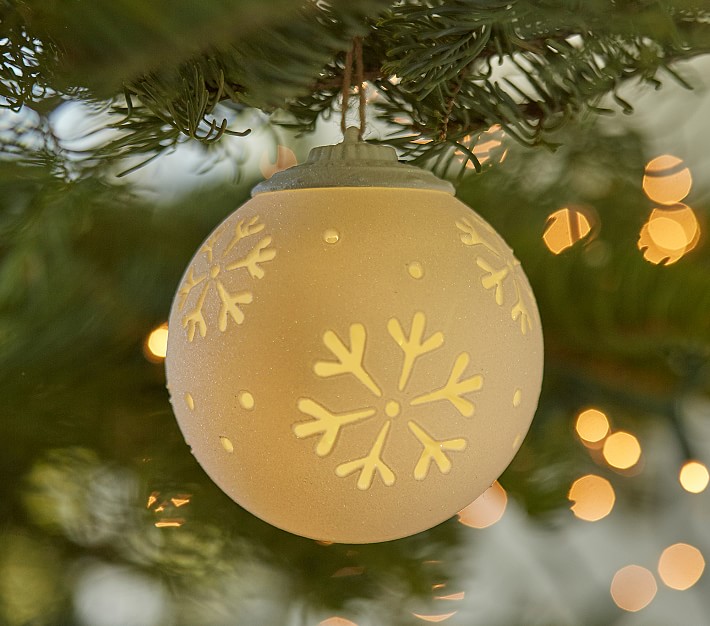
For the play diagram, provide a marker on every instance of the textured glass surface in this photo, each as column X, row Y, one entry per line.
column 354, row 364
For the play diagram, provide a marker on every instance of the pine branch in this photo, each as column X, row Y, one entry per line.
column 567, row 58
column 26, row 64
column 263, row 70
column 463, row 66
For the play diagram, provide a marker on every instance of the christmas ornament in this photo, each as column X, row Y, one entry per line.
column 354, row 355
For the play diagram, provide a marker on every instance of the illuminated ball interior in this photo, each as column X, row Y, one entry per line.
column 354, row 364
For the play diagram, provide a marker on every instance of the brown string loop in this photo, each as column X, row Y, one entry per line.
column 354, row 53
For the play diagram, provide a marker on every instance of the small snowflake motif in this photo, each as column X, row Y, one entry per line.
column 496, row 270
column 349, row 360
column 213, row 266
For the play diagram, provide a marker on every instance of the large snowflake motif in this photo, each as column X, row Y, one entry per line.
column 349, row 361
column 213, row 267
column 496, row 272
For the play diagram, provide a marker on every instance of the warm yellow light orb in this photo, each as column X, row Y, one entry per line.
column 336, row 621
column 681, row 566
column 285, row 158
column 156, row 344
column 666, row 179
column 592, row 425
column 633, row 587
column 694, row 477
column 565, row 227
column 669, row 234
column 354, row 364
column 592, row 496
column 435, row 619
column 487, row 509
column 621, row 450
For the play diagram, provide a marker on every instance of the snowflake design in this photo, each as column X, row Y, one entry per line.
column 209, row 280
column 349, row 361
column 496, row 271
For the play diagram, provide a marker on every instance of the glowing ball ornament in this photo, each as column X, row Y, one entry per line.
column 354, row 355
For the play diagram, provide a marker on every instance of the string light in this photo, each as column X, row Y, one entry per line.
column 155, row 346
column 487, row 144
column 169, row 523
column 592, row 496
column 285, row 158
column 336, row 621
column 592, row 426
column 435, row 619
column 459, row 595
column 666, row 179
column 669, row 234
column 681, row 566
column 694, row 477
column 633, row 588
column 487, row 509
column 621, row 450
column 565, row 227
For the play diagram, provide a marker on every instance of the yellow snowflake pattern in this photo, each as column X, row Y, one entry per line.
column 496, row 271
column 349, row 360
column 208, row 280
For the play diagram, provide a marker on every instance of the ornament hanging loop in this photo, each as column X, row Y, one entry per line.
column 354, row 54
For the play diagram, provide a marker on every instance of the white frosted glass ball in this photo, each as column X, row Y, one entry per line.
column 354, row 364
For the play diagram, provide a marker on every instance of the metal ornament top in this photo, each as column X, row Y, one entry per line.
column 353, row 163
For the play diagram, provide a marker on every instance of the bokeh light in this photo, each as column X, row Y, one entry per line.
column 694, row 476
column 633, row 587
column 169, row 523
column 669, row 234
column 336, row 621
column 285, row 158
column 487, row 509
column 592, row 496
column 155, row 346
column 666, row 179
column 434, row 619
column 459, row 595
column 371, row 92
column 681, row 566
column 488, row 146
column 621, row 450
column 565, row 227
column 592, row 425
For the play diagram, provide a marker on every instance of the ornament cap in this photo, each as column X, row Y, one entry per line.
column 353, row 163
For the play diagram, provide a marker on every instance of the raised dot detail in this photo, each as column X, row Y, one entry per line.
column 331, row 236
column 392, row 408
column 190, row 401
column 415, row 270
column 226, row 444
column 517, row 398
column 246, row 400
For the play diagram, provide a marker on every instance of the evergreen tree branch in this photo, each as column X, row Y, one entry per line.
column 462, row 67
